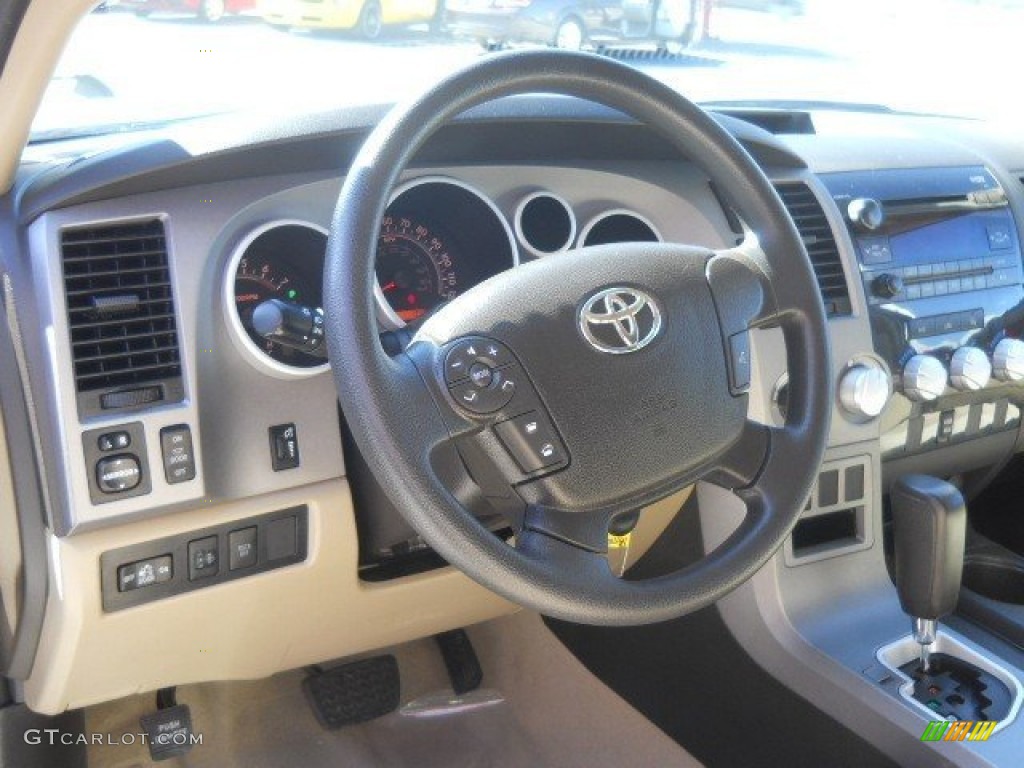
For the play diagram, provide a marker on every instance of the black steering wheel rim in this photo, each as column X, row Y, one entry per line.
column 394, row 417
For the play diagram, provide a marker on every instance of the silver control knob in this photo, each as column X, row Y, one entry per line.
column 969, row 370
column 864, row 390
column 1008, row 360
column 924, row 378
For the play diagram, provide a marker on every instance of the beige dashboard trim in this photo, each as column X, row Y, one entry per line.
column 244, row 629
column 44, row 31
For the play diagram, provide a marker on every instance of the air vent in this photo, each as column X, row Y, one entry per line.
column 820, row 242
column 120, row 311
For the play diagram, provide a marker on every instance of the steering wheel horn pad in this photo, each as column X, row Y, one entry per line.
column 618, row 414
column 625, row 353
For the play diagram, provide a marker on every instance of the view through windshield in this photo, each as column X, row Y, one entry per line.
column 136, row 62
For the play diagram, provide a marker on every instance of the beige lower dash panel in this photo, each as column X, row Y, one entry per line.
column 244, row 629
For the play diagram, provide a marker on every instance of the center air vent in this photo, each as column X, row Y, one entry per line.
column 121, row 315
column 820, row 242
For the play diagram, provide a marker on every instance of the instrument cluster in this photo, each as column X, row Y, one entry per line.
column 439, row 237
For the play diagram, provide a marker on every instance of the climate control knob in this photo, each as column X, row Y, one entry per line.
column 1008, row 360
column 924, row 378
column 969, row 370
column 864, row 390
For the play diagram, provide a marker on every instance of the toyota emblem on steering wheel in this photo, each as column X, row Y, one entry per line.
column 620, row 320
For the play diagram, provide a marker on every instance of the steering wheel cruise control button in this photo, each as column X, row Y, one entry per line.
column 739, row 362
column 118, row 473
column 532, row 441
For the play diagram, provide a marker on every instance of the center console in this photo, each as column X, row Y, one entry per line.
column 928, row 365
column 940, row 260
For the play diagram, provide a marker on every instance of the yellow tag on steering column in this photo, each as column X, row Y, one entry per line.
column 619, row 542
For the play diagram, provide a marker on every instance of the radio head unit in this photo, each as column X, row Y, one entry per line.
column 939, row 256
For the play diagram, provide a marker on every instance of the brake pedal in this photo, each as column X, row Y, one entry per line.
column 460, row 660
column 354, row 693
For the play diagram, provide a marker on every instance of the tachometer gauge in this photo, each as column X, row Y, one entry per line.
column 257, row 280
column 281, row 260
column 414, row 268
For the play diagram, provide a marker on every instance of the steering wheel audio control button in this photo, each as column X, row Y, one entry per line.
column 487, row 393
column 474, row 351
column 532, row 441
column 481, row 375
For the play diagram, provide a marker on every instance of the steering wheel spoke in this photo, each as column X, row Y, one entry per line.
column 582, row 530
column 555, row 556
column 741, row 283
column 743, row 462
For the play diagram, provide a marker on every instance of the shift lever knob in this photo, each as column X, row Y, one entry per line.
column 929, row 526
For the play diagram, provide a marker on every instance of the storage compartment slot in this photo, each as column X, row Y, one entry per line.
column 827, row 531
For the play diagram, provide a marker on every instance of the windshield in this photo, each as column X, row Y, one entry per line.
column 138, row 63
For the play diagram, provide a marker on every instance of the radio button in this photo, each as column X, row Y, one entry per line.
column 999, row 237
column 887, row 285
column 1003, row 277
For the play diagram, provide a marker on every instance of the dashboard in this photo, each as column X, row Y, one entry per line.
column 169, row 295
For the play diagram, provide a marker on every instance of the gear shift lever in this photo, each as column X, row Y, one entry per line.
column 929, row 525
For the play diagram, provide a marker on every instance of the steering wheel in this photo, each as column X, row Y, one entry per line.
column 572, row 391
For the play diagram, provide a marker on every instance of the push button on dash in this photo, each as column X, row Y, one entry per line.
column 179, row 459
column 284, row 447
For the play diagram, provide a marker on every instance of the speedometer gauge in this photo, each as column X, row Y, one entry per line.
column 414, row 268
column 439, row 237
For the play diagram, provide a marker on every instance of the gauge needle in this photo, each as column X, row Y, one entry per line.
column 389, row 286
